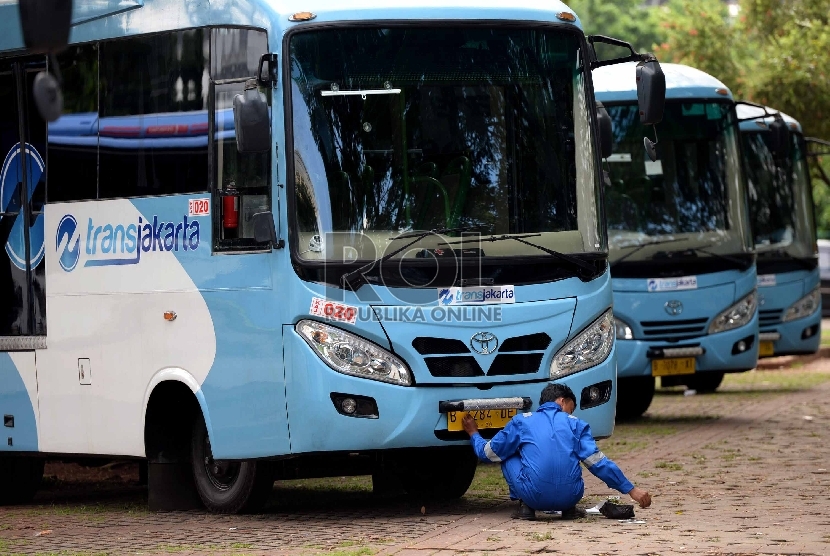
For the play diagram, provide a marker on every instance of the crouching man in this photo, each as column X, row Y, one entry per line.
column 540, row 455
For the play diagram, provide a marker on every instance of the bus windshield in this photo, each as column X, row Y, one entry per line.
column 403, row 129
column 691, row 199
column 780, row 197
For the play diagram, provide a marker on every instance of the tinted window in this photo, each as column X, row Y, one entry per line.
column 73, row 139
column 242, row 180
column 153, row 115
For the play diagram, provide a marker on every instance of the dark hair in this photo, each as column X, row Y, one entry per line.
column 554, row 391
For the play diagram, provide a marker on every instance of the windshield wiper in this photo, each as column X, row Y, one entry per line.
column 355, row 279
column 561, row 256
column 643, row 245
column 786, row 255
column 696, row 250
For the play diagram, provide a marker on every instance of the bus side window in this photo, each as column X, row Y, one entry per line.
column 73, row 139
column 242, row 181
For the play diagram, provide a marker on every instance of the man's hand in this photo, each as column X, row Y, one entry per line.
column 470, row 425
column 640, row 496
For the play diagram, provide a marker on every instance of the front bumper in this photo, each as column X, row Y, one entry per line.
column 408, row 417
column 802, row 336
column 633, row 360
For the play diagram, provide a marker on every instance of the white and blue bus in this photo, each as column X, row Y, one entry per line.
column 681, row 250
column 261, row 244
column 783, row 223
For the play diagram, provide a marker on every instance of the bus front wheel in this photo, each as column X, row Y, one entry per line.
column 439, row 474
column 634, row 395
column 225, row 486
column 19, row 479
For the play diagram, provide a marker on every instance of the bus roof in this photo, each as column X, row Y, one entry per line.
column 102, row 19
column 761, row 121
column 618, row 83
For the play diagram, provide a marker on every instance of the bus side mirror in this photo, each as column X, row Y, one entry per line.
column 779, row 137
column 251, row 120
column 651, row 91
column 45, row 27
column 606, row 131
column 45, row 24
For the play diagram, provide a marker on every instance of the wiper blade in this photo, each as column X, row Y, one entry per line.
column 789, row 256
column 696, row 250
column 576, row 261
column 355, row 278
column 644, row 245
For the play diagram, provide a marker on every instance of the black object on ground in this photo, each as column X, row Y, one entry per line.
column 616, row 511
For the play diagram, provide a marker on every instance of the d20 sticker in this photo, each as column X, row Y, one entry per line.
column 333, row 310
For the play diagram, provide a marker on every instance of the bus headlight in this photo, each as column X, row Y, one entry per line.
column 590, row 348
column 804, row 307
column 352, row 355
column 623, row 331
column 735, row 316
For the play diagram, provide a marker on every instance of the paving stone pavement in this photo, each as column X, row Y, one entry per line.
column 738, row 473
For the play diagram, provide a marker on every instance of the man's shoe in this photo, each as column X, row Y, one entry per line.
column 573, row 513
column 524, row 512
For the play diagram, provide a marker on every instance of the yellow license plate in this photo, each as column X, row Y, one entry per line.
column 485, row 418
column 765, row 349
column 666, row 367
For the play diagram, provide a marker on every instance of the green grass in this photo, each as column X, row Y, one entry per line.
column 488, row 482
column 668, row 465
column 241, row 545
column 782, row 380
column 363, row 551
column 539, row 537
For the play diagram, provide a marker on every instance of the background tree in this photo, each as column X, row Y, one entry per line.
column 628, row 20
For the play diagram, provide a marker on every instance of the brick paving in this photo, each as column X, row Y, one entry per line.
column 737, row 472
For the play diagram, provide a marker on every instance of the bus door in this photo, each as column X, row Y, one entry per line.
column 22, row 196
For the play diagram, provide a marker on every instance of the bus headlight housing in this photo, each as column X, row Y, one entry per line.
column 350, row 354
column 736, row 315
column 590, row 348
column 804, row 307
column 622, row 329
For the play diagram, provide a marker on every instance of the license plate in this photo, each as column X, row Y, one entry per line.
column 766, row 348
column 666, row 367
column 485, row 418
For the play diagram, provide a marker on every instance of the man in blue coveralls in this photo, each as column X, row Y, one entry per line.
column 540, row 455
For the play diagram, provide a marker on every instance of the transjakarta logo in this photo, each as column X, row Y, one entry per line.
column 121, row 244
column 477, row 295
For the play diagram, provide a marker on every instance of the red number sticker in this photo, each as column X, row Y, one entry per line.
column 332, row 310
column 199, row 207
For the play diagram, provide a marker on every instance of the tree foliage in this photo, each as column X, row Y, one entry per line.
column 628, row 20
column 775, row 53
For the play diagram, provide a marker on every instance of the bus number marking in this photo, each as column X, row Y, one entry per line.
column 332, row 310
column 199, row 207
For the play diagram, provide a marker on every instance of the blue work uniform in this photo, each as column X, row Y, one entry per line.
column 540, row 455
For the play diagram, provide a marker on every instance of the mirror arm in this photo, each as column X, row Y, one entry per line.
column 633, row 57
column 820, row 143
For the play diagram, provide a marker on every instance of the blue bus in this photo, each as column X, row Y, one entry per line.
column 783, row 224
column 263, row 244
column 681, row 250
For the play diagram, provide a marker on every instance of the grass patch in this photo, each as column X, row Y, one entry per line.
column 539, row 537
column 793, row 379
column 668, row 465
column 488, row 482
column 364, row 551
column 242, row 545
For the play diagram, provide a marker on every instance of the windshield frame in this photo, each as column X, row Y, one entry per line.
column 707, row 263
column 776, row 258
column 319, row 270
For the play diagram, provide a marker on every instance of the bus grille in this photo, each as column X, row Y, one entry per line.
column 769, row 317
column 459, row 367
column 506, row 362
column 673, row 330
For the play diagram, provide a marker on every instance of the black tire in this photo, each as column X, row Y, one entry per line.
column 20, row 479
column 634, row 395
column 705, row 383
column 228, row 487
column 442, row 474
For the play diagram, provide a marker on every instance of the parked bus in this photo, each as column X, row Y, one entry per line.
column 784, row 228
column 262, row 245
column 681, row 251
